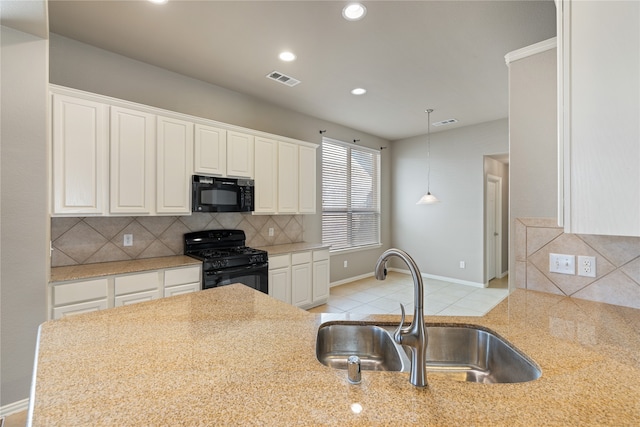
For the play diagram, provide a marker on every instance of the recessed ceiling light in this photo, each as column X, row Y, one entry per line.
column 354, row 11
column 159, row 1
column 359, row 91
column 287, row 56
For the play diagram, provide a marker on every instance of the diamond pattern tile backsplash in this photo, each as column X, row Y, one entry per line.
column 617, row 278
column 100, row 239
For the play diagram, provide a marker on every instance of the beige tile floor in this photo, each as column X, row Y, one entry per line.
column 371, row 296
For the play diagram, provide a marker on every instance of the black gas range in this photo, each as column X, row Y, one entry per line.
column 226, row 259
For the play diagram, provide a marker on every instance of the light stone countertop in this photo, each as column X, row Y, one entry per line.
column 86, row 271
column 292, row 247
column 233, row 356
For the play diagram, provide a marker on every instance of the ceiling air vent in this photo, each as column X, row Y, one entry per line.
column 445, row 122
column 283, row 78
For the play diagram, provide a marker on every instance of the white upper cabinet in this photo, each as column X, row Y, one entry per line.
column 114, row 157
column 80, row 143
column 132, row 172
column 266, row 176
column 239, row 154
column 307, row 180
column 287, row 177
column 210, row 150
column 599, row 87
column 174, row 160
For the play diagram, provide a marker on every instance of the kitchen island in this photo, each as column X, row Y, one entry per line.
column 235, row 356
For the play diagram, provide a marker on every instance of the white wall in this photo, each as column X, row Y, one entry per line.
column 533, row 141
column 24, row 232
column 81, row 66
column 440, row 236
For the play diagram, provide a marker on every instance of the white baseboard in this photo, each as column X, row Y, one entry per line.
column 404, row 271
column 351, row 279
column 443, row 278
column 12, row 408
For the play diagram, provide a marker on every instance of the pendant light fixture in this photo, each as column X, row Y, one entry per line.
column 428, row 198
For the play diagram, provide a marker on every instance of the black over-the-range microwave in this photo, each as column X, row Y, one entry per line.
column 216, row 194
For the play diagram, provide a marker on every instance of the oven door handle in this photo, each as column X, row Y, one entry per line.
column 238, row 270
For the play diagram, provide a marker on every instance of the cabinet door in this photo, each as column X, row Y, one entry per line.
column 132, row 142
column 280, row 284
column 287, row 177
column 181, row 289
column 307, row 180
column 210, row 150
column 266, row 175
column 80, row 143
column 599, row 87
column 239, row 154
column 321, row 276
column 74, row 292
column 135, row 298
column 174, row 160
column 301, row 284
column 83, row 307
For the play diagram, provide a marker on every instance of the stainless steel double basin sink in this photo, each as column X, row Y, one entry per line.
column 459, row 352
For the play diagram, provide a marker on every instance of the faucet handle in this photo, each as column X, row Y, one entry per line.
column 397, row 335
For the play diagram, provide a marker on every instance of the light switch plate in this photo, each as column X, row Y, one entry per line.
column 561, row 263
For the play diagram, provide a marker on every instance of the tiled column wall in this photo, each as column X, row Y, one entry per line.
column 617, row 263
column 100, row 239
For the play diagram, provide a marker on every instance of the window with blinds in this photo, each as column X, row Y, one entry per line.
column 350, row 195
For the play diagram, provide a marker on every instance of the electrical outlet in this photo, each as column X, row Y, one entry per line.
column 346, row 263
column 561, row 263
column 587, row 266
column 462, row 264
column 270, row 231
column 128, row 240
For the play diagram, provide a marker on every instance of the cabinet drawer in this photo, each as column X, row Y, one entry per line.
column 300, row 257
column 181, row 289
column 321, row 255
column 136, row 298
column 79, row 291
column 136, row 283
column 181, row 276
column 278, row 261
column 83, row 307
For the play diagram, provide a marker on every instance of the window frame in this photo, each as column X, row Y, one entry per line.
column 350, row 210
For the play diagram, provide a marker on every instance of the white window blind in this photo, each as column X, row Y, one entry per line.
column 350, row 195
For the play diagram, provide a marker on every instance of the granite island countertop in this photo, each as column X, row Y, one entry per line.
column 235, row 356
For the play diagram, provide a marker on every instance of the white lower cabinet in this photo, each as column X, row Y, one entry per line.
column 280, row 277
column 321, row 276
column 79, row 308
column 136, row 288
column 179, row 281
column 82, row 296
column 300, row 278
column 79, row 297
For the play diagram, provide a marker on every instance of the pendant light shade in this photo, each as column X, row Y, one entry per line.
column 428, row 198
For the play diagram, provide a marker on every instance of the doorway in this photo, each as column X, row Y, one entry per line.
column 496, row 177
column 493, row 226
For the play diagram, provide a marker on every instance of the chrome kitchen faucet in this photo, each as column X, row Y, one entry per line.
column 415, row 335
